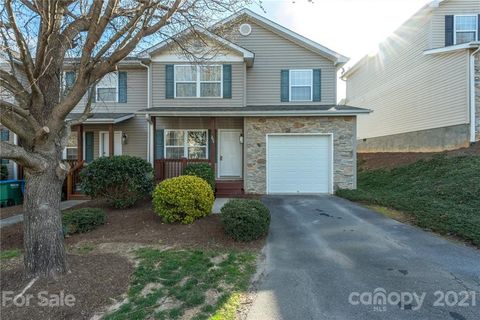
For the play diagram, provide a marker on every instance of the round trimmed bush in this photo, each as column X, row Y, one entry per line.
column 201, row 170
column 183, row 199
column 121, row 180
column 82, row 220
column 245, row 220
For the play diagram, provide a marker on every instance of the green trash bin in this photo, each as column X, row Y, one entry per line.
column 11, row 192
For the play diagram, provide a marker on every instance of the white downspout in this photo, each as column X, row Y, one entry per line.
column 150, row 130
column 472, row 97
column 15, row 165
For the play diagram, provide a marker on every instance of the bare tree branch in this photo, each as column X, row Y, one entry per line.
column 26, row 158
column 25, row 55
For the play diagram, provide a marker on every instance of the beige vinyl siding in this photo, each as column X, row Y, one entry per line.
column 274, row 53
column 136, row 95
column 158, row 89
column 407, row 90
column 449, row 7
column 136, row 131
column 197, row 123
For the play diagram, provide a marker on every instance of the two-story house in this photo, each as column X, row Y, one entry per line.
column 423, row 83
column 262, row 112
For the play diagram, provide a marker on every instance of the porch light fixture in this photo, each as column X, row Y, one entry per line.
column 241, row 138
column 124, row 138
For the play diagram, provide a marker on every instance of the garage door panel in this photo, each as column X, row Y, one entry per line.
column 298, row 164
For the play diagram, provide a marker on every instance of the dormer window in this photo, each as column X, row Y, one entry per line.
column 466, row 28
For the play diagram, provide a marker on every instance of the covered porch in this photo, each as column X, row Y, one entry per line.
column 102, row 134
column 218, row 141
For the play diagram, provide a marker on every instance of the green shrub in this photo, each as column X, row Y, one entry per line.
column 121, row 180
column 82, row 220
column 201, row 170
column 3, row 172
column 183, row 199
column 245, row 220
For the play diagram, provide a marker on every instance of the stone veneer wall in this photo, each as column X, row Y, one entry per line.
column 477, row 93
column 344, row 136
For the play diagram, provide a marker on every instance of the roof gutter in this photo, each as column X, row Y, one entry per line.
column 254, row 113
column 472, row 96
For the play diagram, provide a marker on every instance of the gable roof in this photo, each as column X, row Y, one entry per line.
column 247, row 55
column 336, row 57
column 427, row 7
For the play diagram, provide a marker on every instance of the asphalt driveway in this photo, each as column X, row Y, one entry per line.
column 326, row 257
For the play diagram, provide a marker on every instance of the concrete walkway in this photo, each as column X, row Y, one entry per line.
column 19, row 217
column 326, row 256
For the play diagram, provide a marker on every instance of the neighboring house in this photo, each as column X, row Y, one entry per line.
column 7, row 135
column 262, row 111
column 423, row 85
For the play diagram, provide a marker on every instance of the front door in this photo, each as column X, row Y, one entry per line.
column 230, row 156
column 104, row 143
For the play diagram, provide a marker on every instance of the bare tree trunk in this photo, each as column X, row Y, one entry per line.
column 43, row 235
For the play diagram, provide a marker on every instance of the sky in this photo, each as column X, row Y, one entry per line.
column 352, row 28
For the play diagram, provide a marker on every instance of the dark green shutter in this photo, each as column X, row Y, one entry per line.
column 284, row 86
column 69, row 80
column 159, row 144
column 169, row 81
column 317, row 85
column 88, row 147
column 449, row 29
column 227, row 81
column 4, row 135
column 122, row 87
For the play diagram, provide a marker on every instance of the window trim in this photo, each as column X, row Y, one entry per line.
column 64, row 152
column 290, row 85
column 105, row 87
column 185, row 142
column 198, row 82
column 477, row 36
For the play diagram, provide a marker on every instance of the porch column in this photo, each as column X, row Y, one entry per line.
column 213, row 141
column 154, row 125
column 80, row 142
column 111, row 140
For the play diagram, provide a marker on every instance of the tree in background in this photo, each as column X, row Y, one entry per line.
column 38, row 38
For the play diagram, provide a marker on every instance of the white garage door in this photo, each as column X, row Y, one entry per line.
column 299, row 164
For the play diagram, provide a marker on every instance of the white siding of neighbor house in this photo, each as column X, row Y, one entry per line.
column 449, row 7
column 273, row 53
column 407, row 90
column 136, row 94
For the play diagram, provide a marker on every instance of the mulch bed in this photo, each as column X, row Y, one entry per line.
column 391, row 160
column 93, row 281
column 8, row 212
column 141, row 225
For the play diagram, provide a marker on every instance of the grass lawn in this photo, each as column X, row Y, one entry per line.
column 137, row 267
column 196, row 284
column 442, row 194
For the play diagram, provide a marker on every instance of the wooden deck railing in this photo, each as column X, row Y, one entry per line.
column 73, row 178
column 170, row 168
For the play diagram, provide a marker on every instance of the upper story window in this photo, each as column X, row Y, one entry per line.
column 301, row 84
column 466, row 28
column 195, row 81
column 107, row 88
